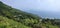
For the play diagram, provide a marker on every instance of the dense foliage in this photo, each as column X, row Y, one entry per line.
column 14, row 18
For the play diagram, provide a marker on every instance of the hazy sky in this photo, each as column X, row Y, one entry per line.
column 45, row 5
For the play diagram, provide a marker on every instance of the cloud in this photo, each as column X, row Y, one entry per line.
column 50, row 5
column 45, row 5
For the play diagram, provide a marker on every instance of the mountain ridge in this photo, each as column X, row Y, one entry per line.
column 14, row 18
column 44, row 13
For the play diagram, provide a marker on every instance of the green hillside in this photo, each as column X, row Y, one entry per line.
column 14, row 18
column 9, row 23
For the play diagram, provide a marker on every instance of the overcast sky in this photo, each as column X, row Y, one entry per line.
column 45, row 5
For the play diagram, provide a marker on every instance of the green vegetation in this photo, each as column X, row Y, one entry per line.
column 14, row 18
column 9, row 23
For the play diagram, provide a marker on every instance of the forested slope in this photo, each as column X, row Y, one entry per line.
column 14, row 18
